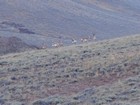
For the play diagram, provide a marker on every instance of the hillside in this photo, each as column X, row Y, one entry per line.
column 98, row 73
column 44, row 22
column 12, row 45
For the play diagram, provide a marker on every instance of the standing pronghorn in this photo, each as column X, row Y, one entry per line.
column 74, row 41
column 84, row 39
column 89, row 38
column 57, row 44
column 94, row 37
column 44, row 46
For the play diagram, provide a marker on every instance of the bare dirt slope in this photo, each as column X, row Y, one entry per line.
column 99, row 73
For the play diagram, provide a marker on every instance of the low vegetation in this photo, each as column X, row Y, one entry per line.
column 98, row 73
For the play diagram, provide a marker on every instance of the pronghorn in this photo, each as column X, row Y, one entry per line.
column 74, row 41
column 43, row 47
column 84, row 39
column 94, row 37
column 57, row 45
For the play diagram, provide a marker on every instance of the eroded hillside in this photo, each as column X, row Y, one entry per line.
column 99, row 73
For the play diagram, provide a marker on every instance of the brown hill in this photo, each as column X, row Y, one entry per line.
column 13, row 44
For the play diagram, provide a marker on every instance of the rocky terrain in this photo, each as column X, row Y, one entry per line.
column 97, row 73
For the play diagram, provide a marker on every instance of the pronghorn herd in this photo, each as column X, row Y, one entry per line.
column 73, row 41
column 88, row 39
column 55, row 45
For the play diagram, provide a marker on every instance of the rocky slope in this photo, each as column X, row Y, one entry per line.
column 98, row 73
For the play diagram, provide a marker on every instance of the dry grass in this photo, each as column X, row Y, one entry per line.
column 98, row 73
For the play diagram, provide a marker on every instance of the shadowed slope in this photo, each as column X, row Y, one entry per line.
column 13, row 44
